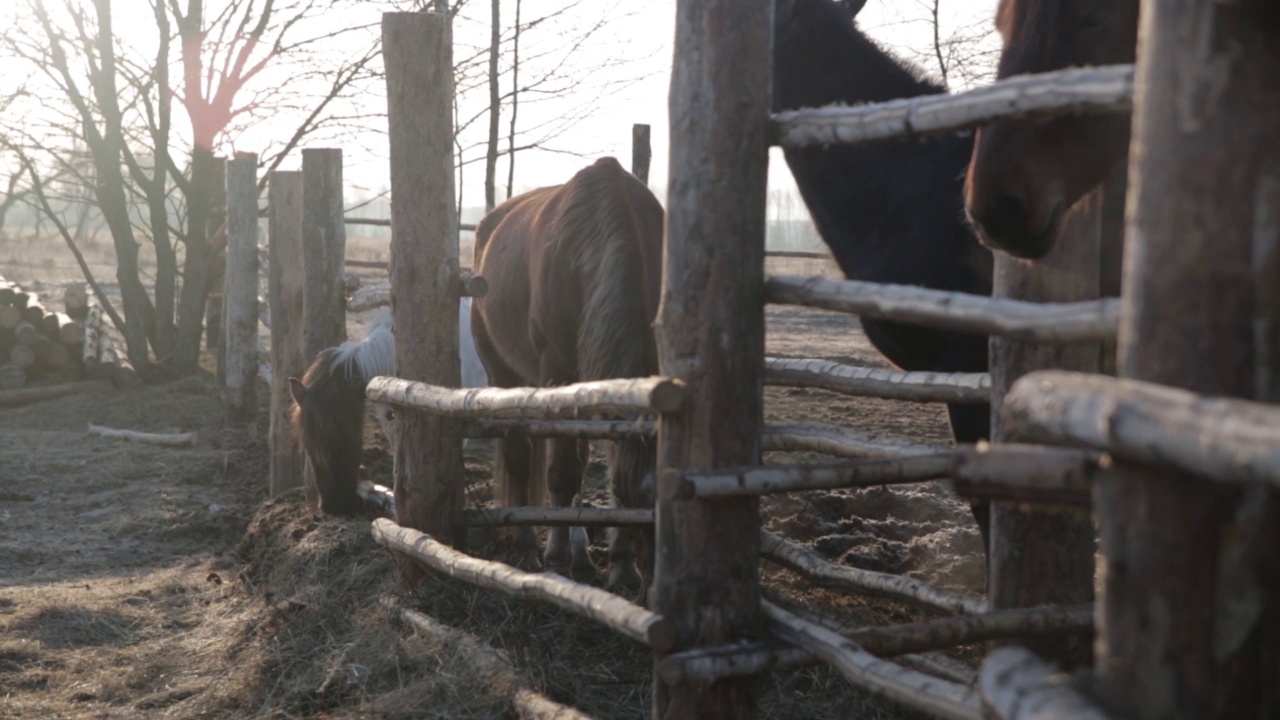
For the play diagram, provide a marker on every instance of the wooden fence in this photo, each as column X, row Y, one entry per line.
column 1121, row 440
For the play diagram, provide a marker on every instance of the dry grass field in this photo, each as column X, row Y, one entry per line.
column 145, row 582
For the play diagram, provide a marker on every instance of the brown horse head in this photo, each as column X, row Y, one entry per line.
column 1024, row 175
column 328, row 422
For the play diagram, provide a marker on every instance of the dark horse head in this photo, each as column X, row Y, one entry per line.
column 891, row 212
column 1026, row 174
column 328, row 414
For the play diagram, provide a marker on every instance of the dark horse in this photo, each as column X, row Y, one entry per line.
column 892, row 211
column 574, row 273
column 1026, row 174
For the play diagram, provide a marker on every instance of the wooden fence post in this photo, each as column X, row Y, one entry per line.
column 641, row 152
column 324, row 241
column 1042, row 555
column 216, row 274
column 710, row 332
column 1190, row 618
column 285, row 295
column 418, row 48
column 240, row 318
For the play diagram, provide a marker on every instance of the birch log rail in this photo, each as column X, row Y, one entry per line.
column 1105, row 89
column 1037, row 322
column 1220, row 439
column 529, row 705
column 559, row 516
column 706, row 665
column 829, row 574
column 778, row 479
column 880, row 677
column 655, row 394
column 162, row 439
column 1017, row 685
column 1028, row 473
column 878, row 382
column 599, row 605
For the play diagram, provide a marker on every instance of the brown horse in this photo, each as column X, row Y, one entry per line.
column 574, row 272
column 1024, row 175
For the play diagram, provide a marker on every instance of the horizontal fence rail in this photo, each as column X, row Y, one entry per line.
column 1036, row 322
column 386, row 222
column 1075, row 91
column 767, row 480
column 1220, row 439
column 908, row 687
column 590, row 602
column 904, row 589
column 639, row 395
column 878, row 382
column 1017, row 685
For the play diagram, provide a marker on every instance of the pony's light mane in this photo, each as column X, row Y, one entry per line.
column 370, row 357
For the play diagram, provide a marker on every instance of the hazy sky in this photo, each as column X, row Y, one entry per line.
column 644, row 36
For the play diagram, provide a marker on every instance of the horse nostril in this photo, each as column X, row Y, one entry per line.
column 1005, row 219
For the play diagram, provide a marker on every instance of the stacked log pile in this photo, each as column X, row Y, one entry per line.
column 38, row 342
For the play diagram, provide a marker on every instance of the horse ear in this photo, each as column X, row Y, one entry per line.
column 298, row 391
column 853, row 7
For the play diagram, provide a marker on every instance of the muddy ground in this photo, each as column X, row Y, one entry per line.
column 142, row 582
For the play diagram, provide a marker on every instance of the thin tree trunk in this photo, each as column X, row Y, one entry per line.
column 491, row 156
column 515, row 103
column 195, row 287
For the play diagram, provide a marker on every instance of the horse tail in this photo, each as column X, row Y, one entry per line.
column 616, row 340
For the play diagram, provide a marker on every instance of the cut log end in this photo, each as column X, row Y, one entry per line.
column 667, row 396
column 662, row 635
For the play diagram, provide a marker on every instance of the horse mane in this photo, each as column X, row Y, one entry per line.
column 369, row 357
column 610, row 227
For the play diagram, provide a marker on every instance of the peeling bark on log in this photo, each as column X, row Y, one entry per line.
column 778, row 479
column 161, row 439
column 583, row 429
column 1017, row 685
column 878, row 382
column 285, row 279
column 1035, row 322
column 593, row 603
column 1028, row 473
column 1088, row 90
column 1222, row 439
column 705, row 665
column 92, row 337
column 811, row 565
column 240, row 298
column 654, row 394
column 831, row 440
column 566, row 516
column 879, row 677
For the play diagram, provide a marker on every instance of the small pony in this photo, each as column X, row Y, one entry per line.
column 328, row 412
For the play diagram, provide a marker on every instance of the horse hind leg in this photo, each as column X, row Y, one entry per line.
column 629, row 558
column 512, row 478
column 568, row 462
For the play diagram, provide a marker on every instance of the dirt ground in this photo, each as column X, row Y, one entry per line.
column 143, row 582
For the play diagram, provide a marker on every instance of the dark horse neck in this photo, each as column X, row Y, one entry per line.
column 890, row 211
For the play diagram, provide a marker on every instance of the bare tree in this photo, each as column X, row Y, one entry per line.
column 240, row 61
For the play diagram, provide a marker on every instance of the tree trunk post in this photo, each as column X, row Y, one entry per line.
column 1042, row 555
column 418, row 48
column 1189, row 625
column 284, row 294
column 710, row 332
column 641, row 152
column 241, row 293
column 324, row 247
column 216, row 272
